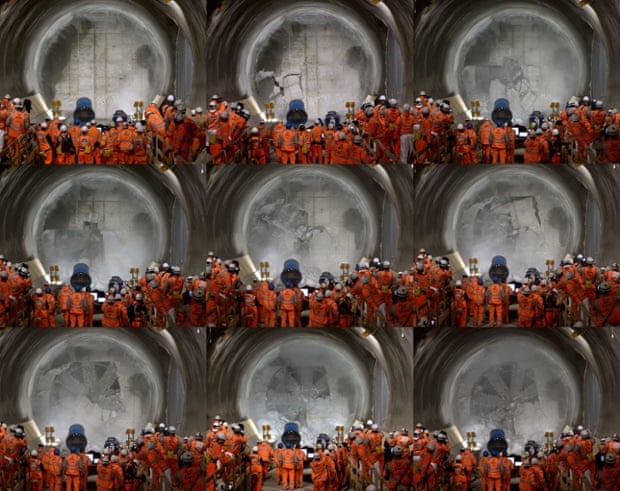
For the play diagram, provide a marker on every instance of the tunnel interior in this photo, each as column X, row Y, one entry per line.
column 519, row 50
column 310, row 51
column 317, row 378
column 526, row 383
column 113, row 52
column 105, row 379
column 527, row 214
column 111, row 219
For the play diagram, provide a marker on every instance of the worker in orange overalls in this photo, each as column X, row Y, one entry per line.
column 317, row 137
column 17, row 122
column 65, row 150
column 73, row 468
column 525, row 311
column 249, row 307
column 124, row 144
column 476, row 292
column 113, row 313
column 287, row 302
column 256, row 148
column 46, row 146
column 304, row 142
column 182, row 132
column 287, row 143
column 141, row 147
column 54, row 468
column 77, row 308
column 85, row 147
column 255, row 469
column 42, row 310
column 495, row 300
column 319, row 473
column 484, row 137
column 499, row 144
column 222, row 141
column 35, row 472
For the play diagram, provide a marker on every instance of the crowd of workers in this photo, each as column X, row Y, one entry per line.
column 156, row 460
column 379, row 132
column 578, row 293
column 367, row 458
column 583, row 132
column 372, row 296
column 167, row 133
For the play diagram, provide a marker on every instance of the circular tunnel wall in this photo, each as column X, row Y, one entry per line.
column 111, row 218
column 114, row 53
column 518, row 50
column 525, row 383
column 323, row 52
column 103, row 379
column 318, row 377
column 99, row 380
column 319, row 218
column 311, row 51
column 309, row 379
column 527, row 214
column 518, row 213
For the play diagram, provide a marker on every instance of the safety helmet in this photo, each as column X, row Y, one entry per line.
column 212, row 106
column 319, row 296
column 526, row 290
column 555, row 132
column 368, row 112
column 221, row 436
column 393, row 102
column 598, row 104
column 224, row 115
column 460, row 127
column 342, row 136
column 84, row 129
column 63, row 128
